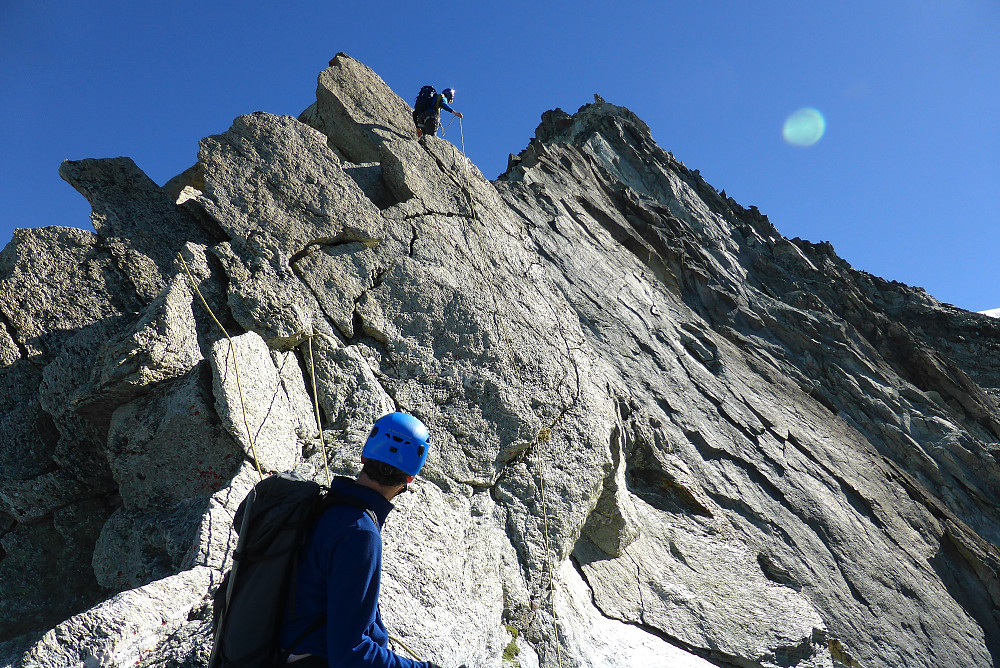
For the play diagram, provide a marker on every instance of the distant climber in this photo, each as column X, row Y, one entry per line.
column 336, row 619
column 427, row 109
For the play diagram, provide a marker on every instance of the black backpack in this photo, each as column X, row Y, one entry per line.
column 425, row 100
column 249, row 606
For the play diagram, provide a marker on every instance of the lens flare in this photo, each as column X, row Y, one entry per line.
column 804, row 128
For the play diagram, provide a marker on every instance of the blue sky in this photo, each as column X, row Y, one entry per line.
column 905, row 181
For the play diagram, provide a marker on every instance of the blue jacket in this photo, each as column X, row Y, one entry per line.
column 441, row 103
column 339, row 574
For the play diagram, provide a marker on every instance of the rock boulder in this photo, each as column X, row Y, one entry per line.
column 664, row 435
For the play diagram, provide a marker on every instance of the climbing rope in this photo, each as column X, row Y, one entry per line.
column 544, row 436
column 319, row 426
column 475, row 216
column 466, row 170
column 445, row 128
column 548, row 555
column 239, row 384
column 236, row 365
column 403, row 645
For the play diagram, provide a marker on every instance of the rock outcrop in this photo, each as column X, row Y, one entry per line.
column 665, row 435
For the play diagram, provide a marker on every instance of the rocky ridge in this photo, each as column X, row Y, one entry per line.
column 665, row 434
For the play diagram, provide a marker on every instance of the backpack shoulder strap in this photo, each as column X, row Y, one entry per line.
column 332, row 498
column 319, row 623
column 329, row 499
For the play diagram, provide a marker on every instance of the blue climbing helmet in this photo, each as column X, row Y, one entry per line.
column 400, row 440
column 449, row 94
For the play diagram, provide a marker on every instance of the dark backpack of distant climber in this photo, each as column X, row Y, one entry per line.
column 427, row 109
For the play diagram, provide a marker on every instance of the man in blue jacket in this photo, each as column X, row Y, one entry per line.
column 427, row 120
column 334, row 619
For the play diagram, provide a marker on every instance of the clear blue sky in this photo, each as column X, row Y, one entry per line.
column 905, row 182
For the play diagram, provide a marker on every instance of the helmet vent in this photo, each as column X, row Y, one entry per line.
column 400, row 440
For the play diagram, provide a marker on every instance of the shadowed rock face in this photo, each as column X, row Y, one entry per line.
column 664, row 434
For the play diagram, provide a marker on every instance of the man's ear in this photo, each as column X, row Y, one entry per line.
column 410, row 479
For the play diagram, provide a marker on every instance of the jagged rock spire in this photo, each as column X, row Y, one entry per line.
column 665, row 434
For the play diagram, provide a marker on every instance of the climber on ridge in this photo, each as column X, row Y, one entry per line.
column 336, row 619
column 427, row 109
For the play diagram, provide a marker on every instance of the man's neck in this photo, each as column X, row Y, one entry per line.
column 388, row 491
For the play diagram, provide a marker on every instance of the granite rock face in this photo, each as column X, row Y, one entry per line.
column 665, row 435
